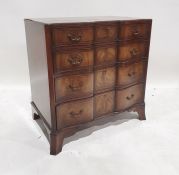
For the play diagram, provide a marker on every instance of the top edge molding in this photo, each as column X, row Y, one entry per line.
column 67, row 20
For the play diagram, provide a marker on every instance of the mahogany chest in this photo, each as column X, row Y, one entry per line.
column 82, row 69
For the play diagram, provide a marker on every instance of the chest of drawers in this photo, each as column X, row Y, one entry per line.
column 82, row 69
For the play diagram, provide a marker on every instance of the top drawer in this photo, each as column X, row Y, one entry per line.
column 72, row 35
column 136, row 30
column 106, row 32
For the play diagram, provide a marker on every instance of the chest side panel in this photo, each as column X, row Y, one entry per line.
column 37, row 60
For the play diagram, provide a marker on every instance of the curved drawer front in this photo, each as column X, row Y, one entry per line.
column 104, row 103
column 74, row 113
column 106, row 33
column 132, row 50
column 73, row 86
column 105, row 78
column 72, row 35
column 132, row 73
column 71, row 60
column 129, row 96
column 135, row 31
column 105, row 55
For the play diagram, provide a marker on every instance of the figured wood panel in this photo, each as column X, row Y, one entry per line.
column 71, row 60
column 133, row 50
column 135, row 30
column 105, row 78
column 129, row 96
column 104, row 103
column 131, row 73
column 75, row 112
column 105, row 55
column 73, row 86
column 72, row 35
column 106, row 32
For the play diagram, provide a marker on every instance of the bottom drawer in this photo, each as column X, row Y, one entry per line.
column 129, row 96
column 104, row 103
column 74, row 112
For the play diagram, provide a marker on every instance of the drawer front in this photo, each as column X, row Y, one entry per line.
column 128, row 74
column 129, row 96
column 135, row 31
column 105, row 78
column 73, row 86
column 74, row 113
column 73, row 60
column 134, row 50
column 104, row 103
column 105, row 55
column 72, row 35
column 106, row 33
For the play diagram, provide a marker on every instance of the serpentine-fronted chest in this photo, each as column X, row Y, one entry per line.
column 82, row 69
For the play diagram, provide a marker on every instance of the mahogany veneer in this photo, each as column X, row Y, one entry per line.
column 84, row 68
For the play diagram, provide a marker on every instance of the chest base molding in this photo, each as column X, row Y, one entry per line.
column 56, row 138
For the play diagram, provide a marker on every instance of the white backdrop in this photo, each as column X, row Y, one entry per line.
column 164, row 53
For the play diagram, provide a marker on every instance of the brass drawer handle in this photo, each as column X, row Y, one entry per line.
column 75, row 60
column 129, row 98
column 75, row 88
column 133, row 52
column 131, row 74
column 135, row 33
column 74, row 37
column 74, row 114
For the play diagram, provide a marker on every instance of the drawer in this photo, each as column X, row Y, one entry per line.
column 105, row 78
column 71, row 60
column 133, row 50
column 104, row 103
column 132, row 73
column 72, row 35
column 106, row 32
column 129, row 96
column 135, row 31
column 105, row 55
column 74, row 113
column 73, row 86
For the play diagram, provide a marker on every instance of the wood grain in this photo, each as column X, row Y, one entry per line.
column 128, row 74
column 72, row 60
column 105, row 55
column 132, row 50
column 135, row 30
column 104, row 103
column 76, row 112
column 106, row 33
column 105, row 78
column 129, row 96
column 72, row 35
column 73, row 86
